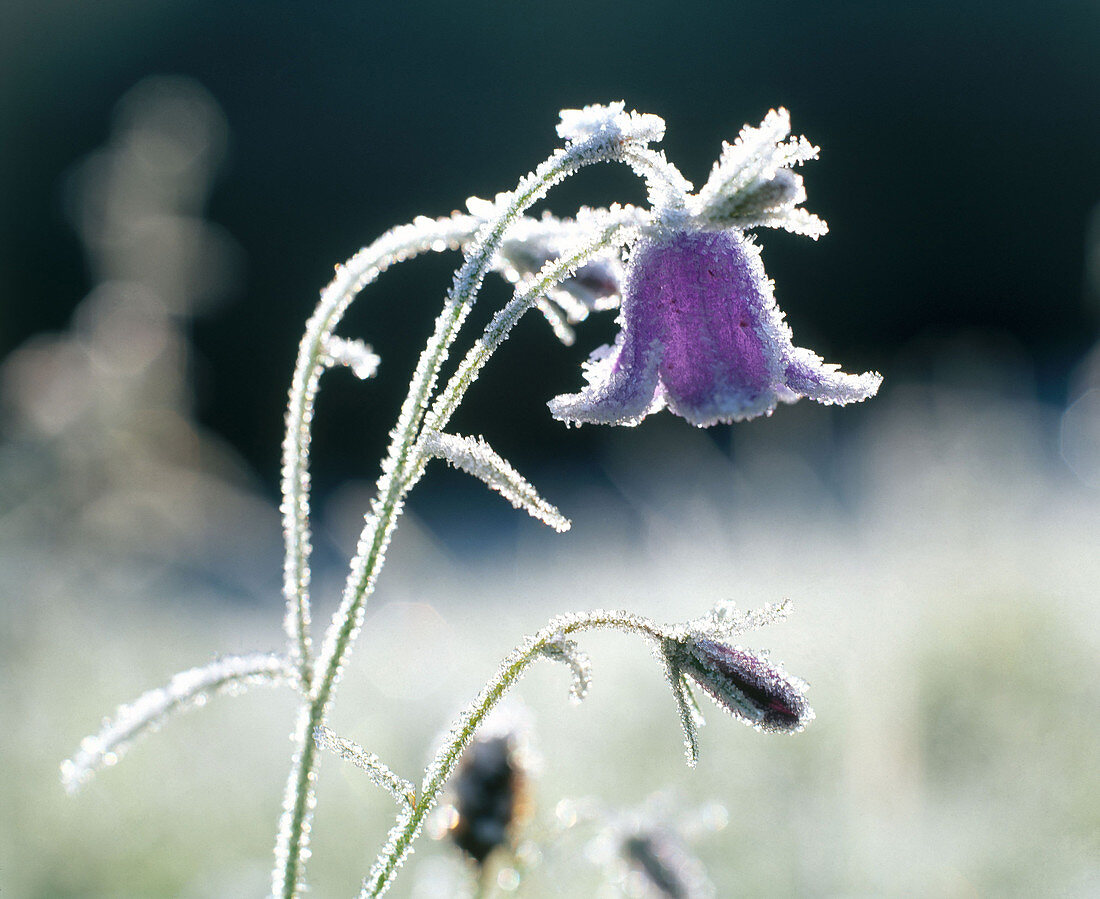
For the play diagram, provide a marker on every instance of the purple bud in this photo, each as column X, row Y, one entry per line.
column 747, row 686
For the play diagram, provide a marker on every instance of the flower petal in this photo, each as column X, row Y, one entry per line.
column 723, row 337
column 810, row 376
column 622, row 385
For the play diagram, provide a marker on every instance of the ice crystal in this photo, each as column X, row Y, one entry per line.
column 610, row 122
column 354, row 355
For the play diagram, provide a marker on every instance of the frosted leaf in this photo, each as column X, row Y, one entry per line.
column 477, row 458
column 380, row 774
column 752, row 184
column 726, row 620
column 612, row 122
column 188, row 689
column 567, row 651
column 352, row 354
column 691, row 717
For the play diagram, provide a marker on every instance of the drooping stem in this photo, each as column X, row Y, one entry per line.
column 616, row 230
column 442, row 766
column 398, row 473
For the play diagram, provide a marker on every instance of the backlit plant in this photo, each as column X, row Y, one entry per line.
column 700, row 334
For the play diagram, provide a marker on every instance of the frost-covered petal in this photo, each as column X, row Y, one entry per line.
column 622, row 385
column 701, row 333
column 723, row 337
column 810, row 376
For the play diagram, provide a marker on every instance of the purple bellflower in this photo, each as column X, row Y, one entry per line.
column 700, row 329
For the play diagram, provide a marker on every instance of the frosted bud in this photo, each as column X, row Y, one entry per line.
column 746, row 685
column 612, row 122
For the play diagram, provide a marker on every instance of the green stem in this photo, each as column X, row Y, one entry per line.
column 439, row 771
column 399, row 473
column 364, row 267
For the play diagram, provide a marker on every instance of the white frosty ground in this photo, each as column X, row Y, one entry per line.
column 945, row 588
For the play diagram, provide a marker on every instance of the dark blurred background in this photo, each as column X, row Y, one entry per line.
column 958, row 175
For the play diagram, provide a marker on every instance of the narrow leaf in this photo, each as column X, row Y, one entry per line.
column 566, row 651
column 188, row 689
column 476, row 457
column 380, row 774
column 691, row 716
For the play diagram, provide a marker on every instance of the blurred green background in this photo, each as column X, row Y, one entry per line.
column 162, row 242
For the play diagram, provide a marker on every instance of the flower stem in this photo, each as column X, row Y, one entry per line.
column 442, row 766
column 399, row 472
column 364, row 267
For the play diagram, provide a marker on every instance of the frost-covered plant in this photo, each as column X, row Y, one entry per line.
column 701, row 334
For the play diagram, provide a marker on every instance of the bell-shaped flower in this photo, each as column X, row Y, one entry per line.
column 702, row 335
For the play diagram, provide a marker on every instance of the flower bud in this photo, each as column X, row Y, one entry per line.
column 747, row 686
column 489, row 795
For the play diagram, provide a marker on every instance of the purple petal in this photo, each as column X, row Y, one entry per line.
column 702, row 334
column 622, row 385
column 710, row 301
column 809, row 376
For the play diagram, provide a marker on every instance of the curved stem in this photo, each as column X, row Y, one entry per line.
column 396, row 245
column 616, row 231
column 398, row 473
column 443, row 765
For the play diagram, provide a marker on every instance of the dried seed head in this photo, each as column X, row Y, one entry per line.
column 490, row 791
column 665, row 867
